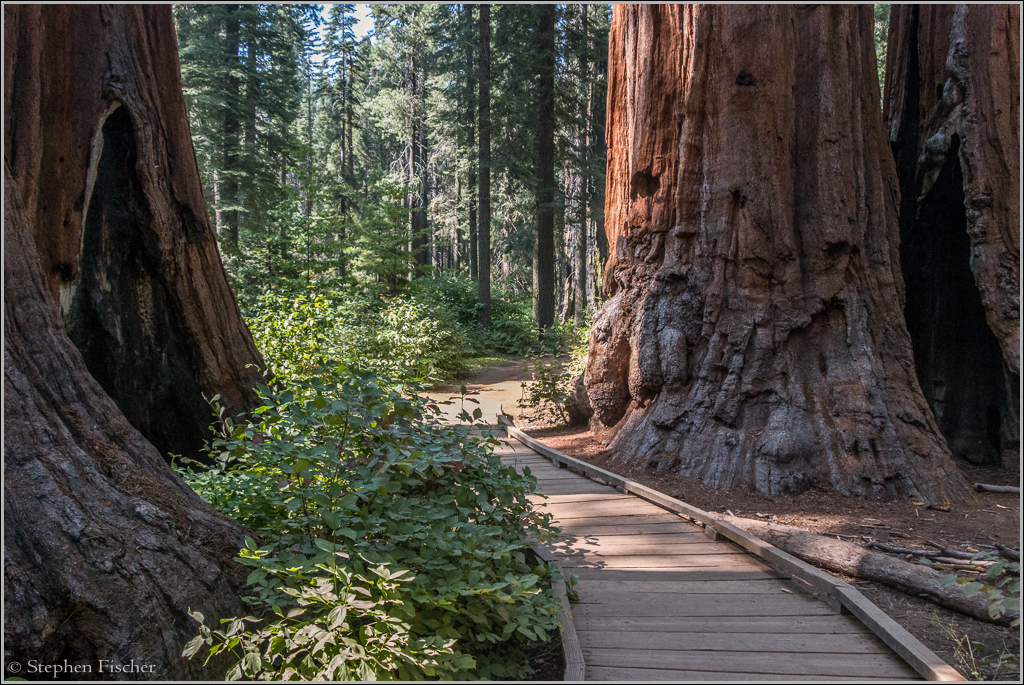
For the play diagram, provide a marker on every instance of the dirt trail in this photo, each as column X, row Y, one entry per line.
column 495, row 388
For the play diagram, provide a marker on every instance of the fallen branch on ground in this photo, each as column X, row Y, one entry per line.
column 853, row 560
column 1006, row 489
column 939, row 551
column 1008, row 551
column 960, row 563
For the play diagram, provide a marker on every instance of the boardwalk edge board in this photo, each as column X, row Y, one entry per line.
column 838, row 594
column 575, row 668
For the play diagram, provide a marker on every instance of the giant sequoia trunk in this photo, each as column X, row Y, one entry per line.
column 952, row 103
column 755, row 332
column 118, row 318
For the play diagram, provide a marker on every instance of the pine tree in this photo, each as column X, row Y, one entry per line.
column 543, row 255
column 484, row 124
column 240, row 75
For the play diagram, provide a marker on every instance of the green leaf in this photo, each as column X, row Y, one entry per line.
column 256, row 576
column 995, row 570
column 327, row 545
column 193, row 646
column 251, row 663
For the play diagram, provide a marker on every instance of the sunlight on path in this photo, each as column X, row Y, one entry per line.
column 494, row 388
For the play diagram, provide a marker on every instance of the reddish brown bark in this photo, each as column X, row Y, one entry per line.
column 102, row 159
column 755, row 333
column 106, row 237
column 952, row 105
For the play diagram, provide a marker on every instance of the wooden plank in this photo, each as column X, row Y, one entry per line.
column 845, row 643
column 575, row 666
column 640, row 544
column 605, row 673
column 685, row 537
column 600, row 548
column 539, row 462
column 661, row 604
column 605, row 495
column 595, row 588
column 822, row 624
column 679, row 562
column 523, row 454
column 535, row 467
column 630, row 521
column 545, row 479
column 594, row 509
column 561, row 474
column 695, row 573
column 699, row 605
column 555, row 489
column 567, row 488
column 631, row 527
column 922, row 659
column 783, row 664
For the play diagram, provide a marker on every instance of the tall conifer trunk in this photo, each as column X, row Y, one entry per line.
column 417, row 173
column 599, row 150
column 229, row 218
column 118, row 319
column 580, row 257
column 471, row 142
column 544, row 246
column 484, row 190
column 755, row 333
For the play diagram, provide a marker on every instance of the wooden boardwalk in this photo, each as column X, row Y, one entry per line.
column 659, row 600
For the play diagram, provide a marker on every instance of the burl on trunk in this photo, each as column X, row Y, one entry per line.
column 118, row 317
column 755, row 331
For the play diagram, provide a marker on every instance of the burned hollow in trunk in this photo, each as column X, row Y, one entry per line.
column 951, row 97
column 118, row 312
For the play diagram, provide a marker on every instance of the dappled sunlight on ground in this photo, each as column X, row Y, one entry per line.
column 495, row 388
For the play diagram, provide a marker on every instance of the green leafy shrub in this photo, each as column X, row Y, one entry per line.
column 550, row 390
column 553, row 387
column 420, row 335
column 1000, row 586
column 390, row 545
column 396, row 337
column 512, row 329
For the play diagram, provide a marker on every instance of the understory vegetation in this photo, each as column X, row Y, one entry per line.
column 427, row 330
column 388, row 545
